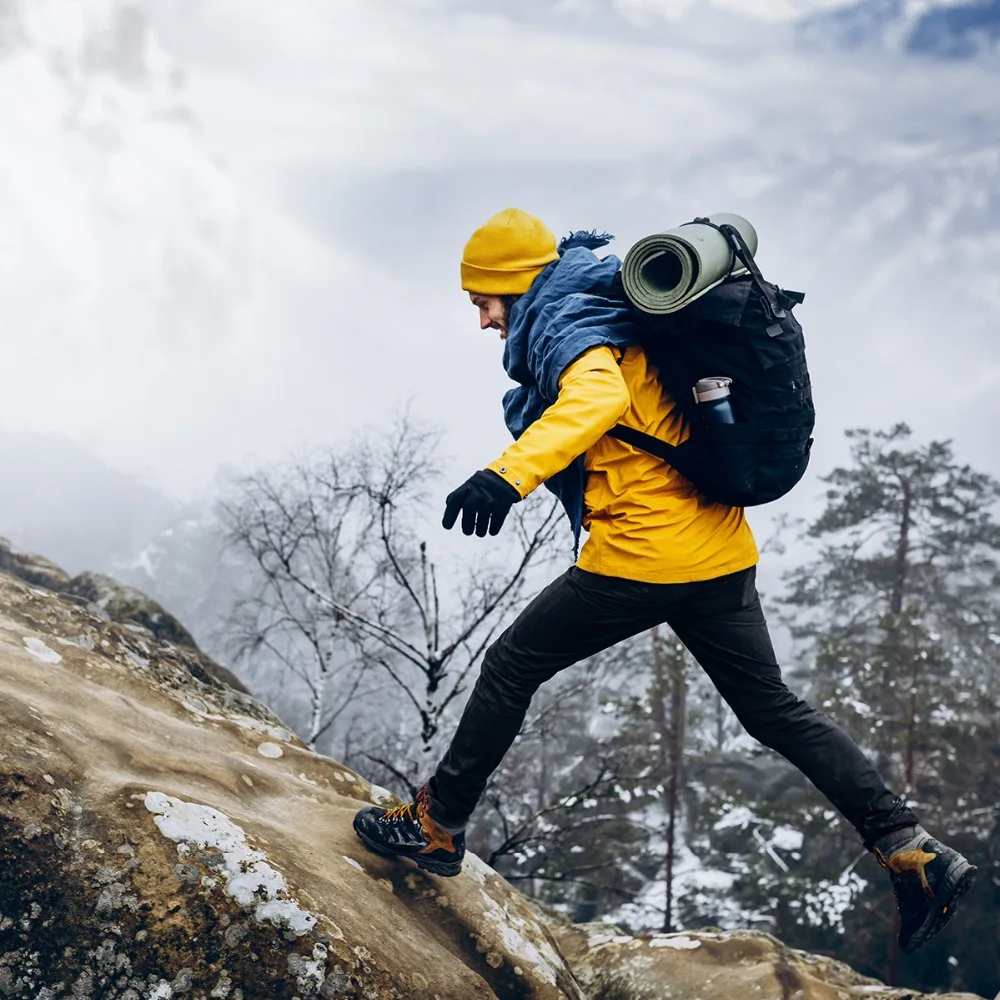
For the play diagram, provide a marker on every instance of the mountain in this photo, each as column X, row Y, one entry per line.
column 60, row 498
column 185, row 565
column 938, row 28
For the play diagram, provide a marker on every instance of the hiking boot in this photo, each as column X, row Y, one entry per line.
column 408, row 831
column 928, row 879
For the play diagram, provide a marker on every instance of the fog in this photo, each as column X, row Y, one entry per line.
column 233, row 228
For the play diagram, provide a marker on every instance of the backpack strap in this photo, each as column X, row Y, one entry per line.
column 773, row 310
column 644, row 442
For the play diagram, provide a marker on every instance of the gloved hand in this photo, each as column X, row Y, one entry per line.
column 484, row 500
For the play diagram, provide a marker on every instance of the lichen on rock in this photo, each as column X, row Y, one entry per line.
column 150, row 851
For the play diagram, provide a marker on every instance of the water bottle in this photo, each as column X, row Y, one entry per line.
column 712, row 397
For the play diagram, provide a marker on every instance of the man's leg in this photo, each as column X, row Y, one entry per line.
column 722, row 624
column 577, row 615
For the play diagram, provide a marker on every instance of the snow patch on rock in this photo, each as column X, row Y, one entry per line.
column 506, row 928
column 476, row 868
column 250, row 880
column 680, row 941
column 40, row 651
column 599, row 940
column 378, row 794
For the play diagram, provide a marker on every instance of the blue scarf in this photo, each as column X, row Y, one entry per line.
column 573, row 305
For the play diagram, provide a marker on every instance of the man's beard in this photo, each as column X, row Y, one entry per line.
column 507, row 301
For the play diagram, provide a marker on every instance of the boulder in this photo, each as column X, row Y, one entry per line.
column 120, row 603
column 124, row 603
column 712, row 965
column 27, row 566
column 130, row 605
column 164, row 837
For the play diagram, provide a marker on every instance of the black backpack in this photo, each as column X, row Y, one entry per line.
column 742, row 329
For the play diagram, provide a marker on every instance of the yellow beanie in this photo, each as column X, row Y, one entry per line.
column 507, row 253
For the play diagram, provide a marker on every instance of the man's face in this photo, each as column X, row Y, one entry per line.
column 492, row 312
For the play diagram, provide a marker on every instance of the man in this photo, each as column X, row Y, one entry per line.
column 656, row 552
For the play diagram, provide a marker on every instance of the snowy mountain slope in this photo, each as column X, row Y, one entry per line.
column 61, row 500
column 183, row 563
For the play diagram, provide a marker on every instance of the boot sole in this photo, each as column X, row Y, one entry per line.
column 958, row 882
column 446, row 868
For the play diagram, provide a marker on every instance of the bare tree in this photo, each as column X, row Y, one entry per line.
column 348, row 598
column 670, row 729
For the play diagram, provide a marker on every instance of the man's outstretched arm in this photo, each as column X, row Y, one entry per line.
column 593, row 397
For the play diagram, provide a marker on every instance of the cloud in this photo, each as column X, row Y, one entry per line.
column 356, row 146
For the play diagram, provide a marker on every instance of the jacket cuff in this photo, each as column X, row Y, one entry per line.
column 509, row 476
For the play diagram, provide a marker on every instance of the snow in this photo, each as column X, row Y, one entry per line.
column 787, row 839
column 541, row 958
column 827, row 902
column 476, row 868
column 679, row 941
column 144, row 560
column 378, row 794
column 250, row 880
column 40, row 651
column 598, row 940
column 739, row 816
column 309, row 972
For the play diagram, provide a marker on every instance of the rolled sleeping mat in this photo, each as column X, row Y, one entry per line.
column 668, row 271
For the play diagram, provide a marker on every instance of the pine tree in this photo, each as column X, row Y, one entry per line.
column 897, row 616
column 895, row 613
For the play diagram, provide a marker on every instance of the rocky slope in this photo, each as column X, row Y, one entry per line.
column 164, row 835
column 112, row 601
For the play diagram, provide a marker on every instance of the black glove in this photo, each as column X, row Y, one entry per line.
column 484, row 500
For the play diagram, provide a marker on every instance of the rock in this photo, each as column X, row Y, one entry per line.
column 127, row 604
column 711, row 965
column 144, row 865
column 34, row 569
column 149, row 850
column 120, row 603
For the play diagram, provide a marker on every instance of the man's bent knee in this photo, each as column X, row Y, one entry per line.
column 776, row 725
column 504, row 679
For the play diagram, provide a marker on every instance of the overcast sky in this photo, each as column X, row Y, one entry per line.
column 268, row 257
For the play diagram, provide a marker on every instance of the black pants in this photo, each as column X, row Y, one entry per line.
column 720, row 621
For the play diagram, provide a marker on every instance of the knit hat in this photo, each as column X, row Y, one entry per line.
column 507, row 253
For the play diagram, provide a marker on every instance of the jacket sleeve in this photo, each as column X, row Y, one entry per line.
column 592, row 398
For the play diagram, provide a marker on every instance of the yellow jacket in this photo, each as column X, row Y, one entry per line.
column 645, row 521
